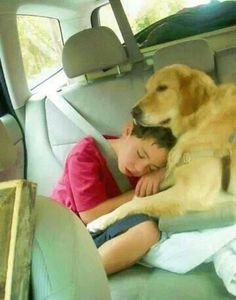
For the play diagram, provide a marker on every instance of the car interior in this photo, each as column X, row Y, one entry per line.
column 102, row 79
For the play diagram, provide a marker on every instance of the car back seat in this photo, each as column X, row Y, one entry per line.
column 105, row 103
column 226, row 64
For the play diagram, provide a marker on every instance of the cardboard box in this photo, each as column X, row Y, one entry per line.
column 17, row 199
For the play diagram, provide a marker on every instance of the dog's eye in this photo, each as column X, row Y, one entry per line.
column 161, row 88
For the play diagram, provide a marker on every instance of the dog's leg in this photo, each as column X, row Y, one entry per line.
column 193, row 192
column 163, row 203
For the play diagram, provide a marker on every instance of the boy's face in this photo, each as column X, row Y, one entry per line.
column 138, row 157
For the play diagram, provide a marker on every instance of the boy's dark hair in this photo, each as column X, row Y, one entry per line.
column 163, row 136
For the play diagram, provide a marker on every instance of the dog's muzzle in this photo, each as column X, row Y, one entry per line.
column 165, row 122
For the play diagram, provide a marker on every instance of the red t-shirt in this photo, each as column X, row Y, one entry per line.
column 86, row 180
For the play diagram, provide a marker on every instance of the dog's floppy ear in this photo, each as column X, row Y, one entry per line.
column 196, row 90
column 150, row 83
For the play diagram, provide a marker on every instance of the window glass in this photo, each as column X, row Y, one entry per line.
column 143, row 13
column 107, row 18
column 146, row 12
column 41, row 47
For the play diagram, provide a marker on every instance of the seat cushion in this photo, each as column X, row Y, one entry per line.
column 142, row 283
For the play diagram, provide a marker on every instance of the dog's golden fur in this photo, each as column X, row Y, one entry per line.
column 203, row 117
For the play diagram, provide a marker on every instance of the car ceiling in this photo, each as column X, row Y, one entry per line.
column 60, row 9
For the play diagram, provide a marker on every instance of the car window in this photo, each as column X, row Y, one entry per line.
column 41, row 47
column 106, row 18
column 140, row 15
column 146, row 14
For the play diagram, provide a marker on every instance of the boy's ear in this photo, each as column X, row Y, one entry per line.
column 128, row 129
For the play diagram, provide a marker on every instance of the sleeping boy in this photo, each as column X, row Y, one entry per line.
column 88, row 188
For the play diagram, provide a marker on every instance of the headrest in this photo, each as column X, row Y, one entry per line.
column 8, row 153
column 195, row 53
column 92, row 50
column 226, row 64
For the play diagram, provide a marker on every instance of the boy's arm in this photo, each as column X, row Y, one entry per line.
column 87, row 185
column 105, row 207
column 88, row 189
column 147, row 185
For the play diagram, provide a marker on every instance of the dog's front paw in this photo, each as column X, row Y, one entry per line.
column 98, row 224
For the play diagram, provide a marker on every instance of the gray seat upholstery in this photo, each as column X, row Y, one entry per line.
column 142, row 283
column 226, row 65
column 194, row 53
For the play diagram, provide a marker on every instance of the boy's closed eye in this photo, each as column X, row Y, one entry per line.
column 153, row 168
column 140, row 155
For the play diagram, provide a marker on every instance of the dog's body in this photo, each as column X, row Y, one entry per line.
column 203, row 117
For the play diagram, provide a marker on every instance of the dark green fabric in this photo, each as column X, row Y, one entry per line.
column 188, row 22
column 117, row 228
column 141, row 283
column 223, row 215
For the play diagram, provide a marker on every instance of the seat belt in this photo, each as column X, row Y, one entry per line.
column 132, row 47
column 67, row 109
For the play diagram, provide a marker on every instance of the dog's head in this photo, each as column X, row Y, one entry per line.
column 173, row 93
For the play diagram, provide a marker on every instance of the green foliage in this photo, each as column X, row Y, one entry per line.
column 41, row 44
column 155, row 11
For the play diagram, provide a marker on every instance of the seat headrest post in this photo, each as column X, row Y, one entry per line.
column 118, row 70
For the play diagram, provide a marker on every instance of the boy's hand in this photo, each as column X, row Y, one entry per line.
column 149, row 184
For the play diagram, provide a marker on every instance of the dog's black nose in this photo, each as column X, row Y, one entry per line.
column 136, row 112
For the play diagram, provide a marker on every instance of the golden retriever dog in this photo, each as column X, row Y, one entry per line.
column 202, row 164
